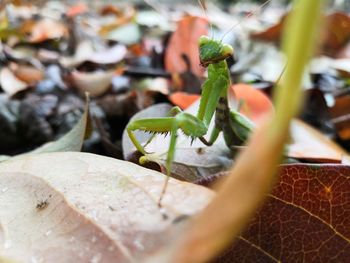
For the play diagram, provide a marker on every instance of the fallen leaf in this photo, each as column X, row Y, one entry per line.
column 340, row 116
column 184, row 41
column 85, row 52
column 335, row 32
column 158, row 84
column 71, row 141
column 127, row 34
column 271, row 34
column 28, row 74
column 95, row 83
column 77, row 9
column 346, row 160
column 109, row 208
column 304, row 219
column 253, row 103
column 152, row 18
column 44, row 29
column 10, row 83
column 344, row 52
column 183, row 99
column 111, row 10
column 308, row 143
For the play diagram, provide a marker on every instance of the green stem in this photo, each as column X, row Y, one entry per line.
column 298, row 43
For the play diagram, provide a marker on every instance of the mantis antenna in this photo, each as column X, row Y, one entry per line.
column 204, row 8
column 247, row 16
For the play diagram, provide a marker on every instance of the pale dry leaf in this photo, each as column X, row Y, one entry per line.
column 96, row 83
column 10, row 83
column 76, row 207
column 86, row 52
column 308, row 143
column 346, row 160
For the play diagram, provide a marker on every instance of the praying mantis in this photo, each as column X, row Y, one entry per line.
column 234, row 126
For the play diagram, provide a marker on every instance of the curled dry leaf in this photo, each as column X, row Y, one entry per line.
column 184, row 41
column 85, row 52
column 308, row 143
column 28, row 74
column 96, row 83
column 10, row 83
column 80, row 207
column 44, row 29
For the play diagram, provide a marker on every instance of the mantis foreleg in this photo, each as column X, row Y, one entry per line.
column 190, row 125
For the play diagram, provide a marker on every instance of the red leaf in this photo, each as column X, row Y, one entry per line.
column 183, row 99
column 185, row 41
column 255, row 105
column 77, row 9
column 305, row 219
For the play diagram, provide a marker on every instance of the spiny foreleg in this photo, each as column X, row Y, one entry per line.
column 189, row 124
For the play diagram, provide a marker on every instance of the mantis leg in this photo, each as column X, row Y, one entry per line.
column 173, row 112
column 240, row 125
column 169, row 160
column 156, row 125
column 213, row 136
column 166, row 124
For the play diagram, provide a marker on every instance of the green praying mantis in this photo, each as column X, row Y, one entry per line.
column 234, row 126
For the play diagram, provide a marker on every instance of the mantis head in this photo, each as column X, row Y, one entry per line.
column 212, row 51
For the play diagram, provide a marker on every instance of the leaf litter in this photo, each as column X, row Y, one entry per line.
column 45, row 73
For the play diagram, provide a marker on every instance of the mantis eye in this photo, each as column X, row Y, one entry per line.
column 203, row 40
column 227, row 50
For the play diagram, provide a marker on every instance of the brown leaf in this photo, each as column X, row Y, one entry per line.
column 87, row 208
column 308, row 143
column 185, row 41
column 336, row 33
column 271, row 34
column 305, row 219
column 340, row 116
column 28, row 74
column 44, row 29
